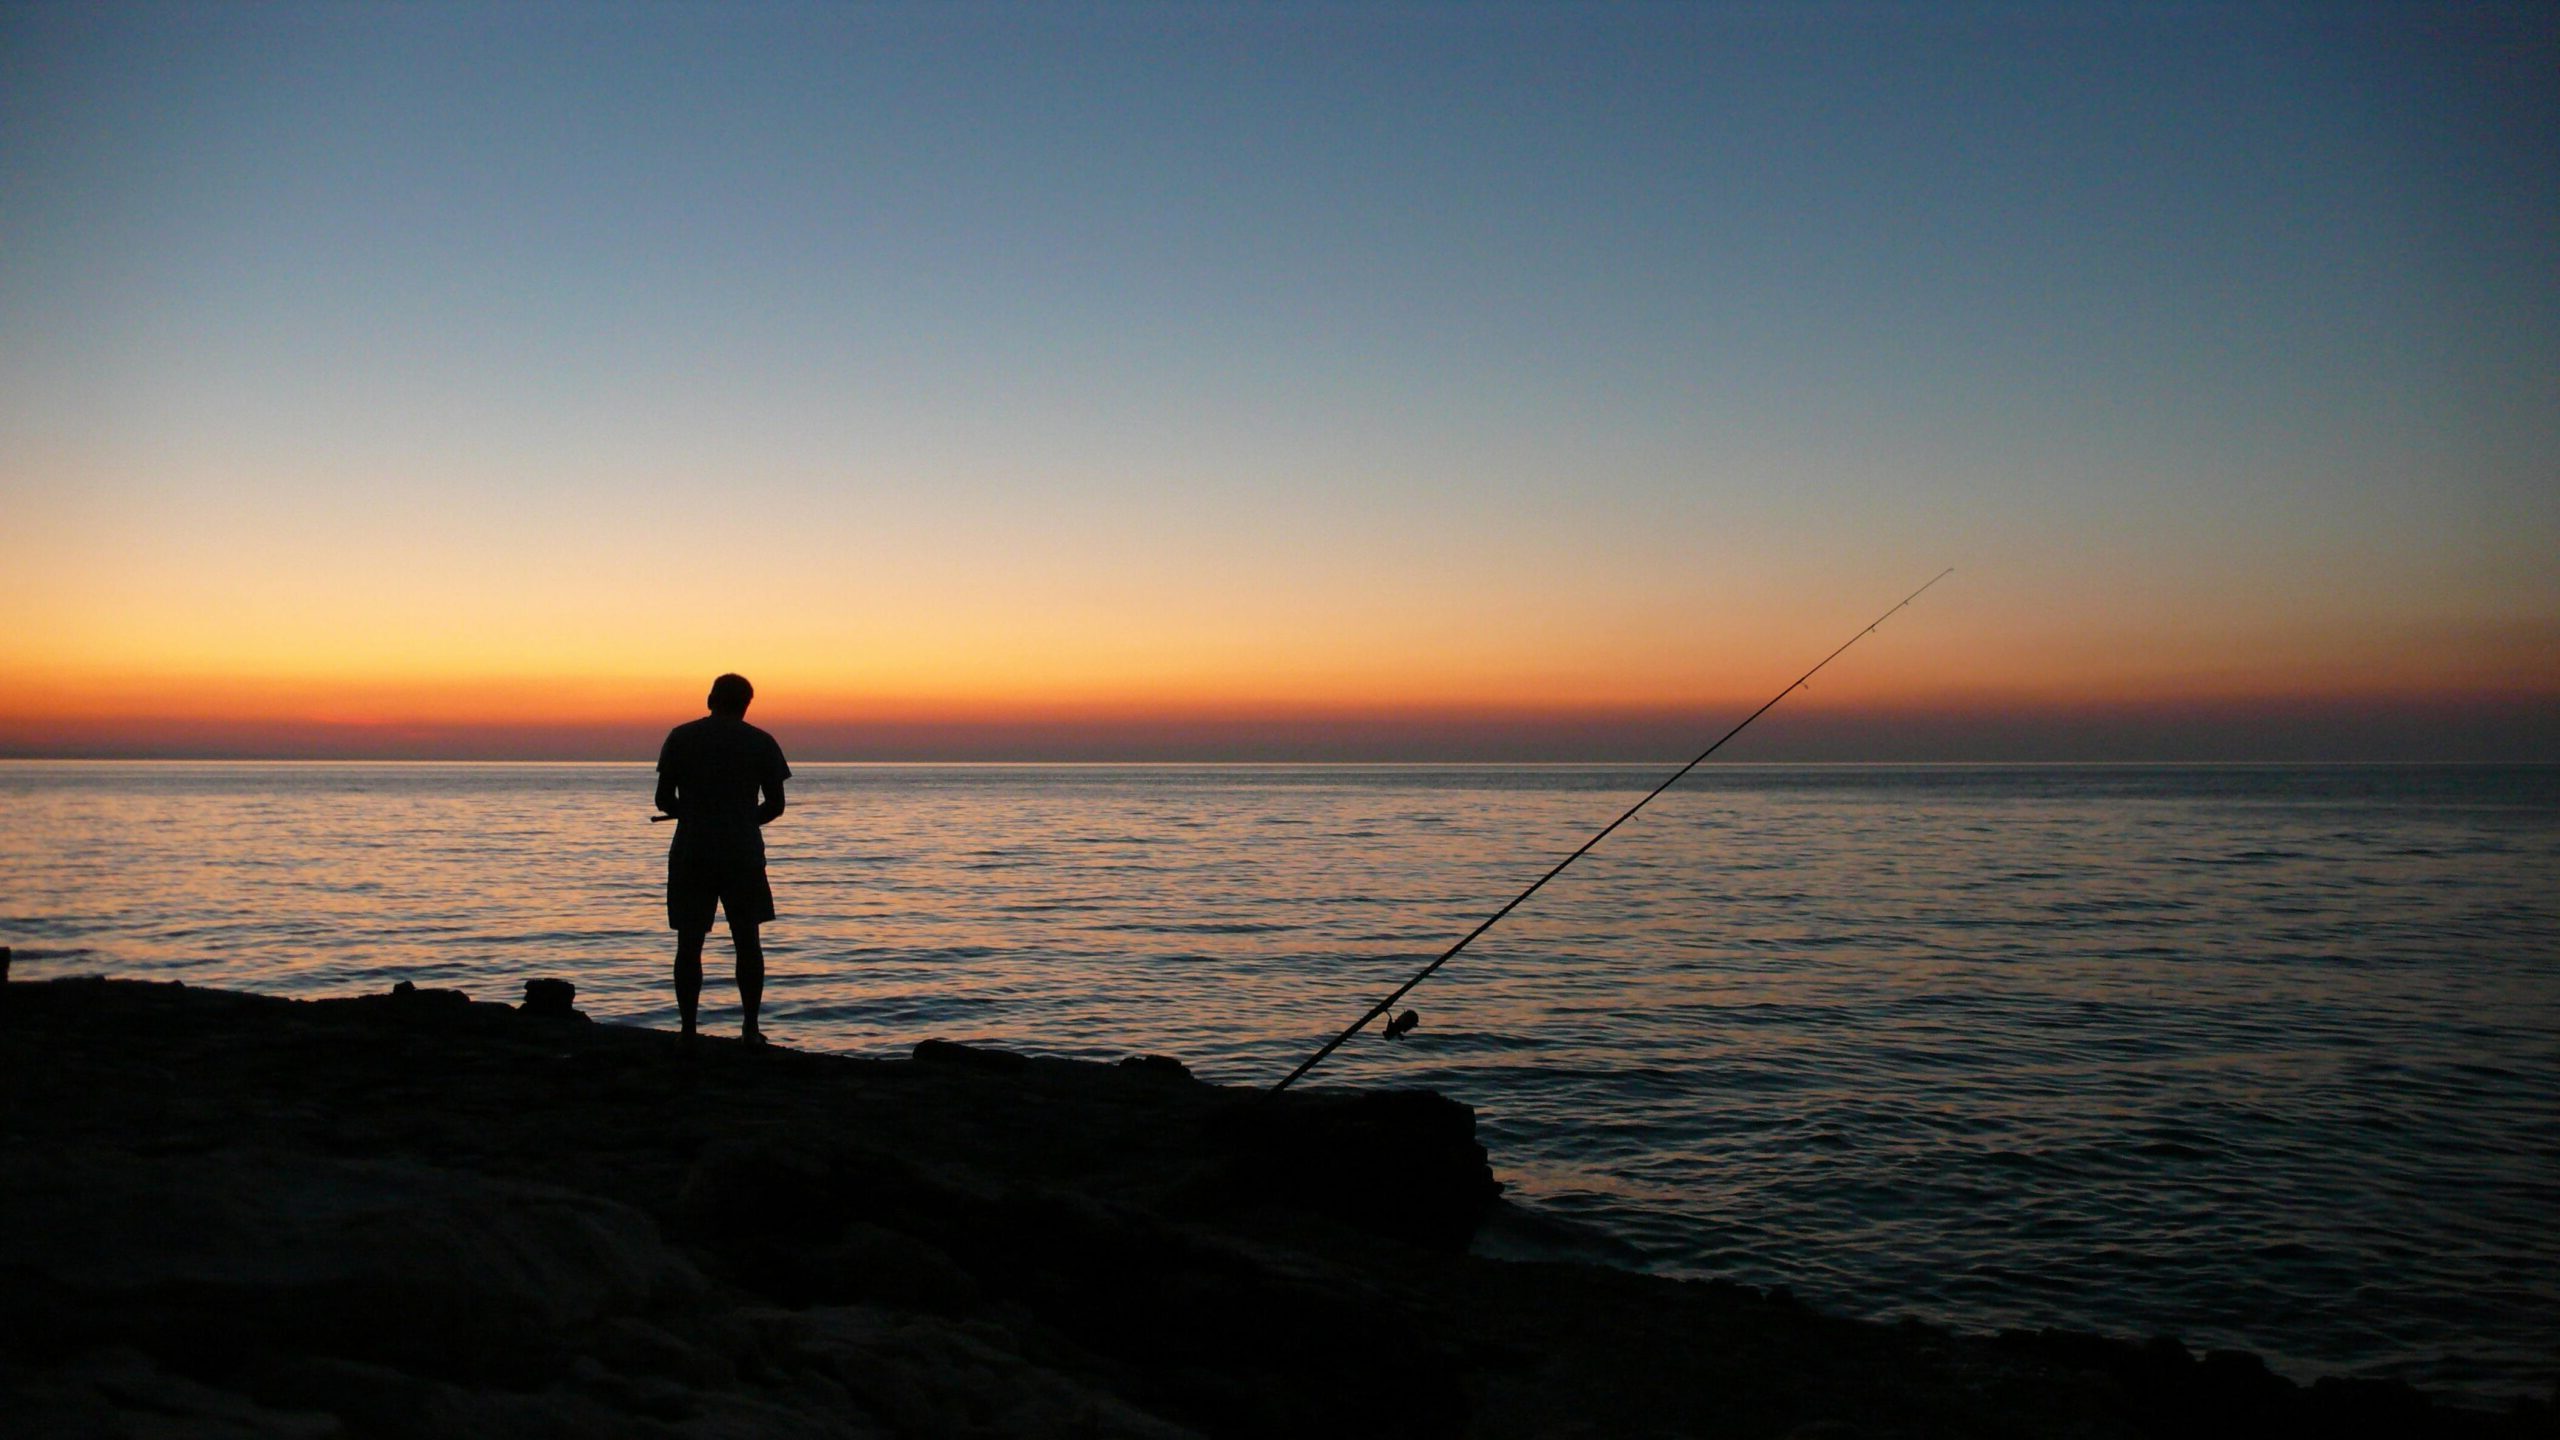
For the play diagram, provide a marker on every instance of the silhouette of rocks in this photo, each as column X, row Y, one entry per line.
column 1160, row 1065
column 549, row 999
column 409, row 996
column 199, row 1255
column 949, row 1052
column 119, row 1392
column 1402, row 1163
column 412, row 1215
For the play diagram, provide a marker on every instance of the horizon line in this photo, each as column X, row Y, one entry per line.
column 1451, row 762
column 2512, row 727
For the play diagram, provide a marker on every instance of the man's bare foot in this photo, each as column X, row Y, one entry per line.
column 752, row 1036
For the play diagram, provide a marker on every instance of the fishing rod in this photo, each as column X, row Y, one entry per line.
column 1405, row 1022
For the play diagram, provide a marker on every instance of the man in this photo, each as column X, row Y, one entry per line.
column 710, row 773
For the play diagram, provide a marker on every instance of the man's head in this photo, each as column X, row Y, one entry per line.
column 730, row 694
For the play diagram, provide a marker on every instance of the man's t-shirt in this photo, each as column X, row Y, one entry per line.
column 718, row 764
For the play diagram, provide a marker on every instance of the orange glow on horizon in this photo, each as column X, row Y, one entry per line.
column 1483, row 673
column 604, row 720
column 1900, row 668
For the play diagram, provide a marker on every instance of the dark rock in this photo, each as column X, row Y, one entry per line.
column 951, row 1052
column 551, row 999
column 803, row 1225
column 116, row 1393
column 408, row 995
column 2367, row 1407
column 209, row 1257
column 1401, row 1163
column 2239, row 1378
column 924, row 1376
column 2167, row 1352
column 1233, row 1346
column 373, row 1400
column 1164, row 1065
column 877, row 1265
column 744, row 1190
column 632, row 1343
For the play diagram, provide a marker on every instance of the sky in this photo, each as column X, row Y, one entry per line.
column 1281, row 381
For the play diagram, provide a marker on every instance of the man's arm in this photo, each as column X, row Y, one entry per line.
column 771, row 809
column 667, row 800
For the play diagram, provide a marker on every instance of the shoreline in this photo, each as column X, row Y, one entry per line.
column 417, row 1214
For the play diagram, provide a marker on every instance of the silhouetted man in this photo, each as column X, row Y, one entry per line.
column 710, row 773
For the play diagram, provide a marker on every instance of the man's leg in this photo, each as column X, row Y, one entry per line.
column 750, row 973
column 688, row 975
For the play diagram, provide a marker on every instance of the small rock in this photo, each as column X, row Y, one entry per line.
column 1398, row 1163
column 551, row 999
column 951, row 1052
column 409, row 994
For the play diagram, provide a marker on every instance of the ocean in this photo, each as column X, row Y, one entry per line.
column 2256, row 1056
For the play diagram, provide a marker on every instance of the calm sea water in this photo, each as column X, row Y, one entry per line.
column 2266, row 1057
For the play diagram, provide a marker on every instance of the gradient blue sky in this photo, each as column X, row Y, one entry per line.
column 447, row 366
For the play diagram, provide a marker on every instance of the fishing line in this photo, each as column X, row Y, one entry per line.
column 1383, row 1006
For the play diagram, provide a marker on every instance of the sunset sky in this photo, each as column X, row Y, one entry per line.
column 1281, row 381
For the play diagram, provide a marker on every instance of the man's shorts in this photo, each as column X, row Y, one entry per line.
column 699, row 878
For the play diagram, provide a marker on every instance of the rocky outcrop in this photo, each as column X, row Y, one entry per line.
column 415, row 1216
column 1404, row 1164
column 197, row 1256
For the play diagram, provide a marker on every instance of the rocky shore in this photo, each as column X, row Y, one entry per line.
column 417, row 1215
